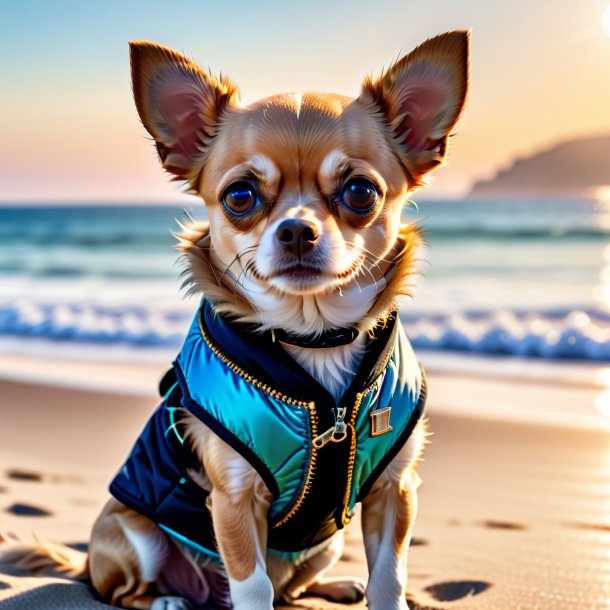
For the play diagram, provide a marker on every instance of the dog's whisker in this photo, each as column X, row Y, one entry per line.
column 373, row 261
column 380, row 259
column 368, row 269
column 237, row 259
column 244, row 273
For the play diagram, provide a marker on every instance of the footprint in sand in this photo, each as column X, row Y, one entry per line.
column 502, row 525
column 449, row 592
column 28, row 510
column 79, row 546
column 25, row 475
column 32, row 476
column 454, row 590
column 418, row 542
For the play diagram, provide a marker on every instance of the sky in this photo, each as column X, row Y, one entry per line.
column 69, row 131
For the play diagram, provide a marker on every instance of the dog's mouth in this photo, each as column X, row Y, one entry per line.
column 299, row 271
column 300, row 276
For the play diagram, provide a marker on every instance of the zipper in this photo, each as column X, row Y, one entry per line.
column 345, row 519
column 360, row 396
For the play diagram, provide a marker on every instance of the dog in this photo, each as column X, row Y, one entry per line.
column 296, row 394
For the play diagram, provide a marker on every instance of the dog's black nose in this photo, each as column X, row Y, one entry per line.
column 297, row 236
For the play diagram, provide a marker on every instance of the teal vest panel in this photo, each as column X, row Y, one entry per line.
column 402, row 389
column 276, row 430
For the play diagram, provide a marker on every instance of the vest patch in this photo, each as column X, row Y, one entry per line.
column 380, row 421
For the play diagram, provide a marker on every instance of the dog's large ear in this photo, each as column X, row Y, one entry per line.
column 420, row 98
column 179, row 104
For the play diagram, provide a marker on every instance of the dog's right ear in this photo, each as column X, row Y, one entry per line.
column 179, row 104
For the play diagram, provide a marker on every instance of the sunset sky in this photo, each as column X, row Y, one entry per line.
column 70, row 133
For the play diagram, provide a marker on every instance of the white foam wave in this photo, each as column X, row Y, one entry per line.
column 91, row 323
column 575, row 334
column 580, row 335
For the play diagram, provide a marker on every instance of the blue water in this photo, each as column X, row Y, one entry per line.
column 525, row 277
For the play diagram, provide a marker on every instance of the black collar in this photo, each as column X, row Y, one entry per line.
column 329, row 338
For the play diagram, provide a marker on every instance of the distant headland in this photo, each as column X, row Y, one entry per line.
column 574, row 168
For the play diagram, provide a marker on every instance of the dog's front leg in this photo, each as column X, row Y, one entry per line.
column 240, row 501
column 241, row 539
column 388, row 513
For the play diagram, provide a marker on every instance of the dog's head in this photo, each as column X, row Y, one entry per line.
column 304, row 192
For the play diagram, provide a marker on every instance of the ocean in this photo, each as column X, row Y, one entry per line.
column 523, row 278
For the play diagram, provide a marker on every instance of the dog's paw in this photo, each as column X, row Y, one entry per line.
column 339, row 590
column 168, row 602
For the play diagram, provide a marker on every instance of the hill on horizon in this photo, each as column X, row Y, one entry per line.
column 573, row 168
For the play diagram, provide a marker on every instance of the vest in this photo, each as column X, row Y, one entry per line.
column 317, row 456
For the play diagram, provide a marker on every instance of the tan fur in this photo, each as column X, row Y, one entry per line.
column 298, row 153
column 113, row 562
column 44, row 558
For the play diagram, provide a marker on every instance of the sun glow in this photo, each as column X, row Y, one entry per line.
column 606, row 20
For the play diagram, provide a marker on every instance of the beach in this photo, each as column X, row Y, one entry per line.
column 514, row 511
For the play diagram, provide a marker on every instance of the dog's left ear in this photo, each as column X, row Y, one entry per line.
column 179, row 104
column 420, row 98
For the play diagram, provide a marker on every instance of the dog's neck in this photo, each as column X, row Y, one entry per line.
column 304, row 315
column 332, row 367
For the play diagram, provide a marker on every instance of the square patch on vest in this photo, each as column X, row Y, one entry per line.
column 380, row 421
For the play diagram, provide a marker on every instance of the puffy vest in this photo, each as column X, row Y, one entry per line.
column 317, row 456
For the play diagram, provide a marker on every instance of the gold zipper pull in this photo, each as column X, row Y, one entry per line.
column 335, row 433
column 323, row 438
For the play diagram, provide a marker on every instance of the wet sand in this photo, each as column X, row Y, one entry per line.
column 513, row 515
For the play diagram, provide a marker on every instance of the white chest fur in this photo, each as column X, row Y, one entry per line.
column 333, row 367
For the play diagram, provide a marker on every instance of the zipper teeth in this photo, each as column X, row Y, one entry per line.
column 364, row 394
column 250, row 378
column 311, row 469
column 345, row 519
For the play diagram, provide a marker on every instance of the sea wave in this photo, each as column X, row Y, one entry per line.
column 552, row 334
column 93, row 323
column 555, row 334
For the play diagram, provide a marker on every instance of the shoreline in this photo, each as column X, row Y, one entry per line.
column 566, row 394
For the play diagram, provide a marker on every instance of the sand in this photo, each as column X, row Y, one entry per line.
column 514, row 515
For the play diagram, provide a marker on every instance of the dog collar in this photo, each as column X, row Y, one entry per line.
column 329, row 338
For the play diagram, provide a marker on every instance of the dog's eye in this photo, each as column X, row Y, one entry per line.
column 239, row 198
column 359, row 194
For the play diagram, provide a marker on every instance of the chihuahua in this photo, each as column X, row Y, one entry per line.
column 296, row 394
